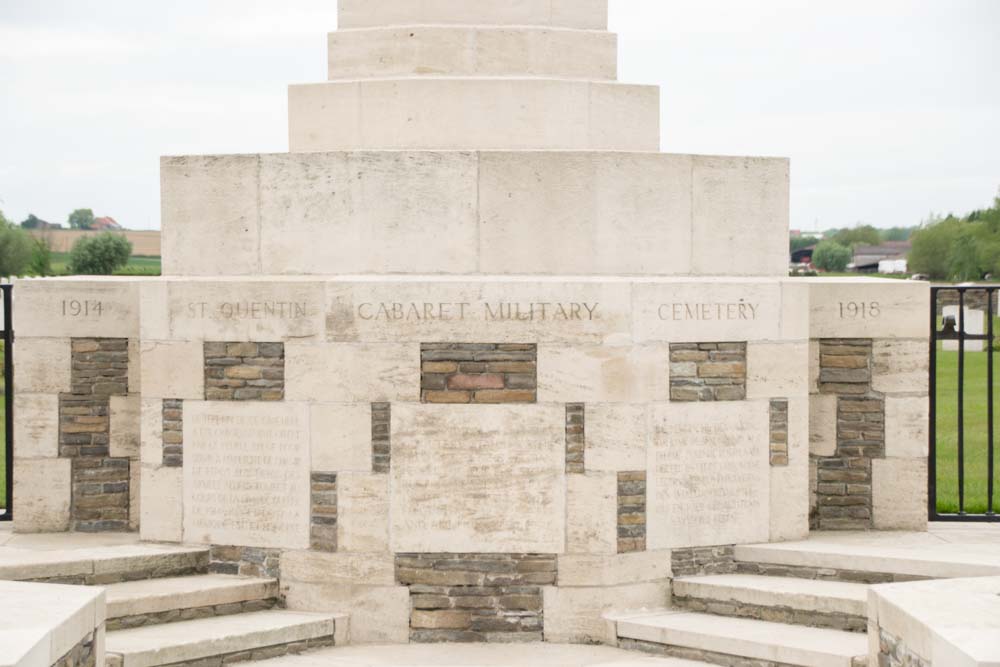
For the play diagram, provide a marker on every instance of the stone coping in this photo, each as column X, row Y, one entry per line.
column 45, row 621
column 954, row 622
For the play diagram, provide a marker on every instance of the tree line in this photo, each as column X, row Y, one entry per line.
column 835, row 250
column 22, row 254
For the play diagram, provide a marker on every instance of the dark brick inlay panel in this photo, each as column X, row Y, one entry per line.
column 173, row 433
column 476, row 597
column 698, row 561
column 244, row 371
column 576, row 438
column 323, row 518
column 478, row 373
column 779, row 432
column 381, row 444
column 100, row 484
column 631, row 511
column 708, row 372
column 844, row 480
column 244, row 561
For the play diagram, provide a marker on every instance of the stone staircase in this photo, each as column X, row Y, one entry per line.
column 766, row 606
column 165, row 608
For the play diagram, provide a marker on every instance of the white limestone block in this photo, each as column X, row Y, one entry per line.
column 77, row 307
column 583, row 14
column 341, row 437
column 789, row 505
column 340, row 373
column 172, row 369
column 43, row 365
column 362, row 512
column 906, row 426
column 814, row 368
column 707, row 311
column 161, row 504
column 378, row 614
column 472, row 51
column 590, row 374
column 123, row 432
column 316, row 567
column 42, row 490
column 899, row 494
column 585, row 213
column 249, row 310
column 151, row 432
column 901, row 366
column 617, row 437
column 462, row 113
column 746, row 194
column 211, row 204
column 613, row 570
column 246, row 474
column 777, row 370
column 479, row 309
column 575, row 615
column 823, row 424
column 592, row 513
column 362, row 212
column 36, row 426
column 709, row 474
column 868, row 308
column 154, row 322
column 134, row 495
column 478, row 478
column 794, row 313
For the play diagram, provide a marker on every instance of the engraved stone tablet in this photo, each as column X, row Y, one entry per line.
column 709, row 480
column 478, row 478
column 246, row 474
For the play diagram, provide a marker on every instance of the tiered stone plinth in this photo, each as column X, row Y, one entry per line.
column 476, row 323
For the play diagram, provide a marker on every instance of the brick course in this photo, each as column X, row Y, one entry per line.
column 244, row 561
column 381, row 434
column 476, row 597
column 844, row 480
column 478, row 373
column 708, row 372
column 631, row 511
column 323, row 518
column 576, row 438
column 698, row 561
column 779, row 432
column 173, row 433
column 100, row 484
column 244, row 371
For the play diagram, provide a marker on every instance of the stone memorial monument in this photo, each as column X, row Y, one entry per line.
column 473, row 361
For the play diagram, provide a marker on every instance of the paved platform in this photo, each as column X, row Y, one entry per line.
column 476, row 655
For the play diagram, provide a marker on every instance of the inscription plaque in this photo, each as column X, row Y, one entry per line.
column 246, row 474
column 710, row 475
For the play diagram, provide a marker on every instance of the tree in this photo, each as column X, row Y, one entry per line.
column 862, row 235
column 99, row 255
column 963, row 260
column 15, row 249
column 31, row 222
column 81, row 218
column 800, row 242
column 932, row 246
column 41, row 258
column 832, row 256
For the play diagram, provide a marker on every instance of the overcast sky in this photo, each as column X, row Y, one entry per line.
column 889, row 109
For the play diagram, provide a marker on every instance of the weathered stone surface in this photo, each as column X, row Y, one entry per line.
column 478, row 478
column 378, row 614
column 43, row 365
column 906, row 425
column 78, row 307
column 36, row 425
column 172, row 369
column 708, row 474
column 124, row 426
column 617, row 437
column 899, row 494
column 341, row 436
column 363, row 516
column 592, row 375
column 575, row 614
column 246, row 474
column 901, row 366
column 591, row 513
column 338, row 373
column 857, row 308
column 42, row 495
column 161, row 504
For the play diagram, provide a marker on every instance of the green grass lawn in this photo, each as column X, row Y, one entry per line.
column 137, row 265
column 976, row 431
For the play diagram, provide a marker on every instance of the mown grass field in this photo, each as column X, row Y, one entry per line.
column 137, row 266
column 976, row 431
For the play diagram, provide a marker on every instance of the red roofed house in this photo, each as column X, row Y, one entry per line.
column 107, row 224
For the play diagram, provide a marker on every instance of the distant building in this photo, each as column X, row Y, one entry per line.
column 868, row 258
column 107, row 224
column 803, row 255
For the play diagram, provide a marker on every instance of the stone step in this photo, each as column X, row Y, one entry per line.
column 240, row 637
column 99, row 566
column 719, row 639
column 823, row 604
column 857, row 560
column 137, row 603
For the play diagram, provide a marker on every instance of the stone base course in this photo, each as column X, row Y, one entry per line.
column 192, row 613
column 698, row 655
column 698, row 561
column 478, row 373
column 823, row 573
column 815, row 619
column 245, row 561
column 476, row 597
